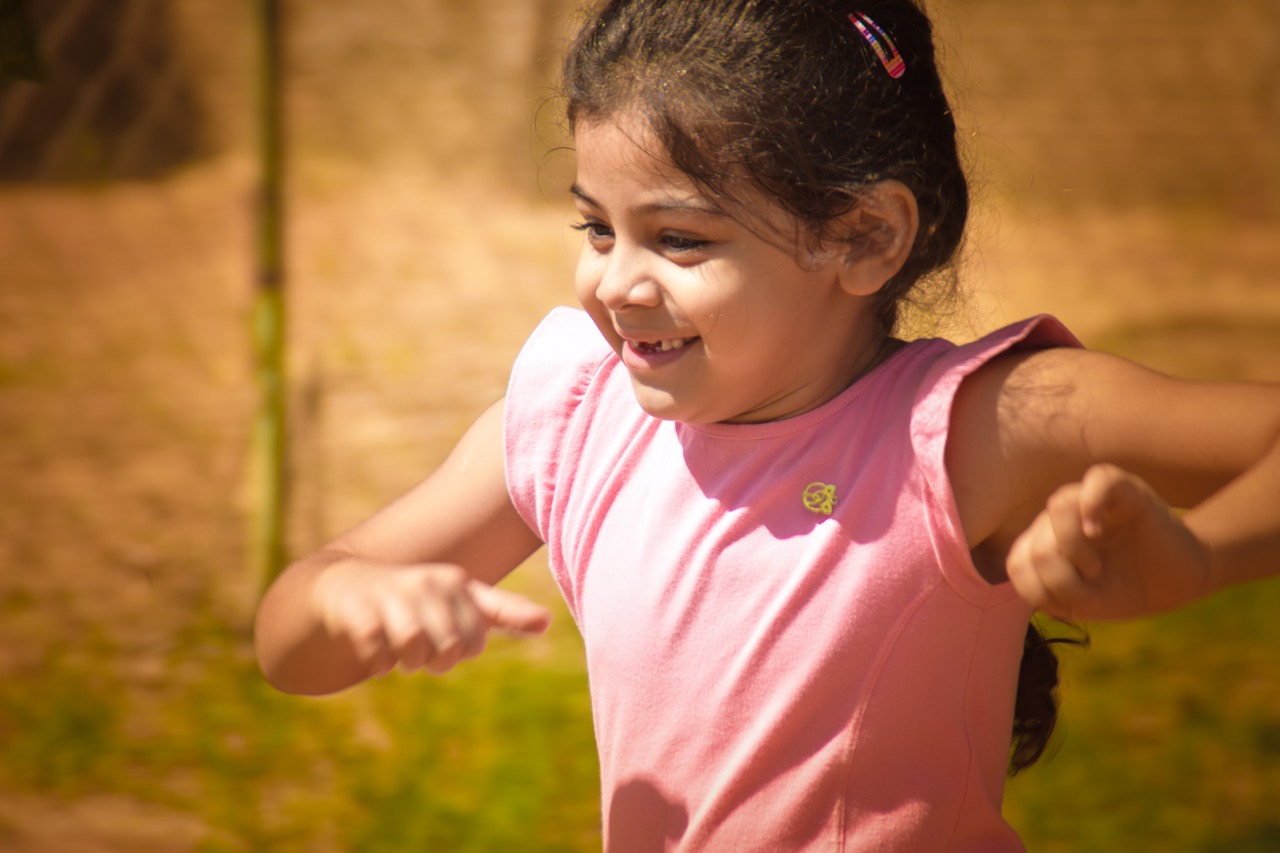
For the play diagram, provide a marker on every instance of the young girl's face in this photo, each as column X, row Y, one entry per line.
column 714, row 320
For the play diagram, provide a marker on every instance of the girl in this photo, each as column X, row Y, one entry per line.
column 802, row 553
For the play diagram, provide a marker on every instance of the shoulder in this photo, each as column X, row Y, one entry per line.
column 967, row 377
column 565, row 343
column 1022, row 423
column 1009, row 445
column 1084, row 404
column 1027, row 422
column 562, row 365
column 566, row 383
column 959, row 365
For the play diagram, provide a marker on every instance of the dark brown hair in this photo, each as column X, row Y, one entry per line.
column 787, row 98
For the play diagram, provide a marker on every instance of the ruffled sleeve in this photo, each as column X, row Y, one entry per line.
column 931, row 421
column 549, row 382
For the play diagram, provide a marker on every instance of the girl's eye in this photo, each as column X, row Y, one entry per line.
column 595, row 231
column 600, row 235
column 683, row 244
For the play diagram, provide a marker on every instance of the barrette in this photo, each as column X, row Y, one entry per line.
column 881, row 44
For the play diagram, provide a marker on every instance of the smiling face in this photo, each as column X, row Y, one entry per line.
column 715, row 321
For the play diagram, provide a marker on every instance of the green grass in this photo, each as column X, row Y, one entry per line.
column 496, row 756
column 1170, row 738
column 58, row 725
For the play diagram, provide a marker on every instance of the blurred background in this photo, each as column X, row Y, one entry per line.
column 1126, row 162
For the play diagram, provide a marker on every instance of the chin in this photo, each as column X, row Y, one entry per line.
column 660, row 404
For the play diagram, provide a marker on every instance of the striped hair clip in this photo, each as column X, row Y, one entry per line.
column 881, row 44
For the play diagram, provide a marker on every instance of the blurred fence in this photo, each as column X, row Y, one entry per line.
column 128, row 179
column 1132, row 147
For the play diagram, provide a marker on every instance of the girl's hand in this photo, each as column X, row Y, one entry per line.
column 1108, row 547
column 425, row 616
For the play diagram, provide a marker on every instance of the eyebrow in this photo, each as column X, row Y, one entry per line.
column 679, row 205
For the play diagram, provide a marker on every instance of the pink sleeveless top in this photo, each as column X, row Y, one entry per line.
column 788, row 645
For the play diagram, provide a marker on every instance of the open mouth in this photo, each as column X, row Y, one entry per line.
column 668, row 345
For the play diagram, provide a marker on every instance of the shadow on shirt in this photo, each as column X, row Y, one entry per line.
column 643, row 820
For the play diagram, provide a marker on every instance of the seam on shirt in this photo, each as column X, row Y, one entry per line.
column 952, row 552
column 855, row 728
column 576, row 428
column 968, row 727
column 581, row 373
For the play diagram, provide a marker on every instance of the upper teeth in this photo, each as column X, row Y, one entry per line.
column 666, row 346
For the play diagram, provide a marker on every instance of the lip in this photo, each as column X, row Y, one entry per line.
column 638, row 359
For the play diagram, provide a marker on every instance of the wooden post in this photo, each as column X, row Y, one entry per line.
column 269, row 462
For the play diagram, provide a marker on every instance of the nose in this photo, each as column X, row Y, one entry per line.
column 627, row 280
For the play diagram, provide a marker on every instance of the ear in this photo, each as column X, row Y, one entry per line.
column 881, row 231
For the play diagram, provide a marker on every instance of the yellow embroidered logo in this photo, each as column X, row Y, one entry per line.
column 820, row 497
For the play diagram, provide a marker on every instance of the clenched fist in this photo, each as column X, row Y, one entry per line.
column 1108, row 547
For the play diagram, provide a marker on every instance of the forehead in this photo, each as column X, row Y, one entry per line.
column 623, row 166
column 622, row 155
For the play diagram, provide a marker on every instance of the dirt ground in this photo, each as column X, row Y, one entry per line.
column 125, row 373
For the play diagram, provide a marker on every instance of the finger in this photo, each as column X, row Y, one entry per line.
column 446, row 643
column 1096, row 495
column 406, row 636
column 1065, row 586
column 368, row 640
column 508, row 611
column 1021, row 567
column 1080, row 560
column 1109, row 497
column 381, row 664
column 472, row 625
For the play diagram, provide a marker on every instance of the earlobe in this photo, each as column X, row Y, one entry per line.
column 882, row 230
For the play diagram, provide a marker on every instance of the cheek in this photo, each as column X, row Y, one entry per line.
column 718, row 300
column 586, row 277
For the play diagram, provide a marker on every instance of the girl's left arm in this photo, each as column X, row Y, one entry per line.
column 1067, row 466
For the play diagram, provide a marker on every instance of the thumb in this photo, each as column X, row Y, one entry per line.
column 1109, row 498
column 509, row 611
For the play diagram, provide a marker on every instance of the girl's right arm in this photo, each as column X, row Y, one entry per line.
column 410, row 586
